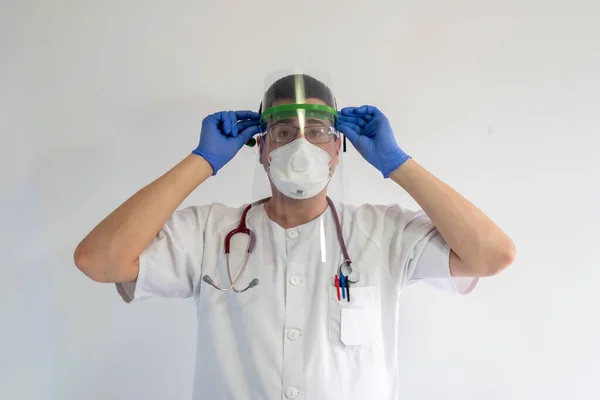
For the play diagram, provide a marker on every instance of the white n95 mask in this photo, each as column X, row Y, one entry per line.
column 299, row 170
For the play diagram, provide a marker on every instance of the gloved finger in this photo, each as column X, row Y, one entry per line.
column 233, row 123
column 248, row 133
column 361, row 117
column 355, row 112
column 355, row 120
column 350, row 125
column 366, row 109
column 221, row 120
column 351, row 131
column 247, row 114
column 225, row 123
column 213, row 119
column 348, row 110
column 245, row 124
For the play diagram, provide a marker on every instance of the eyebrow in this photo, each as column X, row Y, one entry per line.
column 283, row 121
column 315, row 121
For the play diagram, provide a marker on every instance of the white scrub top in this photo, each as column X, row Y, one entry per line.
column 290, row 337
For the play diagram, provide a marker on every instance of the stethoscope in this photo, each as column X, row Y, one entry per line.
column 345, row 267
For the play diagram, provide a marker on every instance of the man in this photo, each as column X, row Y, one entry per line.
column 296, row 322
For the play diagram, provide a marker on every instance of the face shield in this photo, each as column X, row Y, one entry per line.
column 299, row 163
column 298, row 195
column 300, row 152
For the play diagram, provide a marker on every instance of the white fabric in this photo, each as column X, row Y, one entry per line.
column 290, row 337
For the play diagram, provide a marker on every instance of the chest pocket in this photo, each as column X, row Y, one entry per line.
column 358, row 322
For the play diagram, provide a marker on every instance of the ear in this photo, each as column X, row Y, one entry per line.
column 259, row 142
column 338, row 145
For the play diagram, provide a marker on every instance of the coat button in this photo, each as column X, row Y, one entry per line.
column 291, row 393
column 293, row 334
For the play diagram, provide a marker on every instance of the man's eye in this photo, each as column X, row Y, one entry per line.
column 315, row 132
column 283, row 134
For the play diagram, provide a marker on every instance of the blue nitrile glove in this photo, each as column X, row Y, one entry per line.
column 223, row 135
column 370, row 133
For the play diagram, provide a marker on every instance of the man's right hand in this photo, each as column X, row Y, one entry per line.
column 223, row 135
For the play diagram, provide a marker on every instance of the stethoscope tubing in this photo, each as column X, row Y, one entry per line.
column 242, row 228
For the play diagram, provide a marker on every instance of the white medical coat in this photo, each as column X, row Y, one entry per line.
column 290, row 337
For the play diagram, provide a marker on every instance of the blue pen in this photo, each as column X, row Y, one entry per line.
column 343, row 285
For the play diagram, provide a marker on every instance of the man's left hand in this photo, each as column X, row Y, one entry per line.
column 370, row 132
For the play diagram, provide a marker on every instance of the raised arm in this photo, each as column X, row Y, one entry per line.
column 110, row 252
column 479, row 247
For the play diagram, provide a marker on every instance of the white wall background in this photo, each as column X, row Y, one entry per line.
column 501, row 99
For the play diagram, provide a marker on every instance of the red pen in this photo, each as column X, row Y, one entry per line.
column 337, row 285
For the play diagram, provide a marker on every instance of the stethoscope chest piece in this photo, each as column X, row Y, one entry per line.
column 345, row 269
